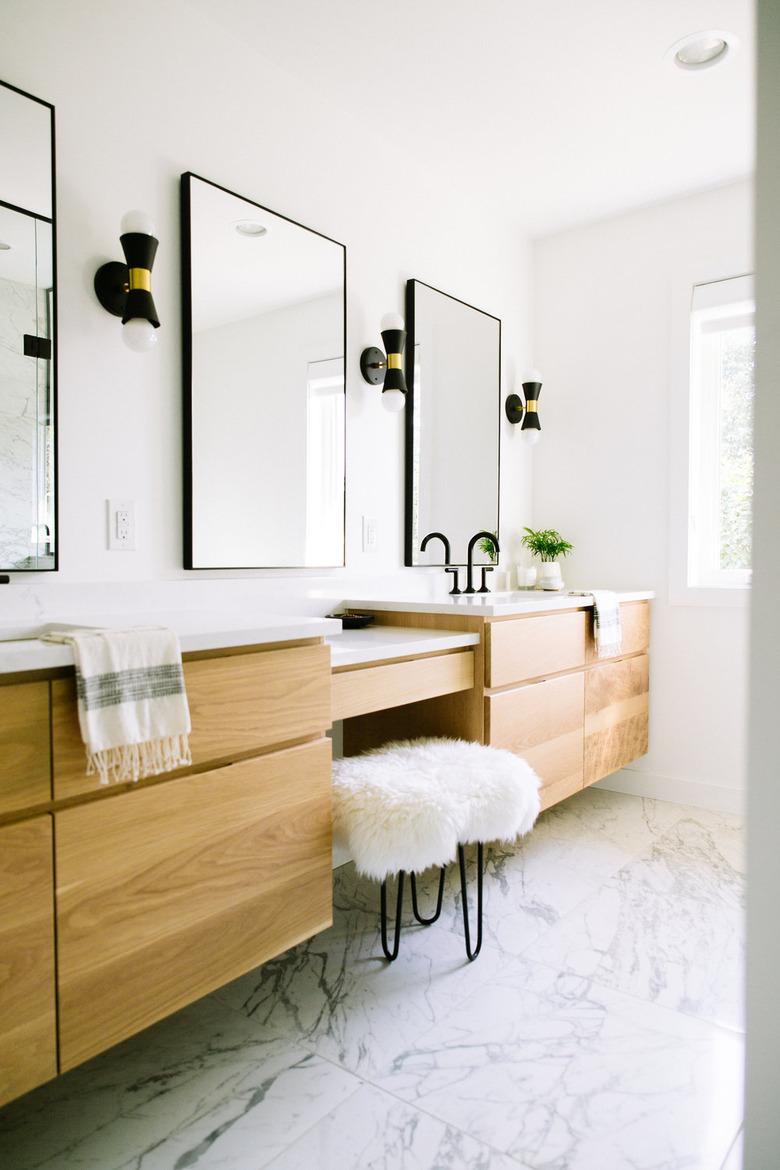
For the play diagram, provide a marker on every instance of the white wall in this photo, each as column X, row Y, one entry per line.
column 762, row 1124
column 142, row 97
column 607, row 341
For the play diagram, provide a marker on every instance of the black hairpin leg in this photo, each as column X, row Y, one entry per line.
column 415, row 907
column 399, row 903
column 472, row 954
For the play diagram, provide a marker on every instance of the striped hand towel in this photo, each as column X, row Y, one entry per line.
column 133, row 711
column 607, row 627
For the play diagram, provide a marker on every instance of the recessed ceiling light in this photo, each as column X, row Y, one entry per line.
column 701, row 50
column 4, row 247
column 250, row 227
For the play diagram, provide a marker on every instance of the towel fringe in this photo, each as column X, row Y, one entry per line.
column 135, row 761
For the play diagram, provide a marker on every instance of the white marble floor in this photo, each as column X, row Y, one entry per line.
column 600, row 1028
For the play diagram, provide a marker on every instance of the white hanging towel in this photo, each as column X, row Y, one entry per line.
column 607, row 627
column 133, row 711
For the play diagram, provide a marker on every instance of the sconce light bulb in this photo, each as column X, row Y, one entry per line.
column 391, row 321
column 139, row 335
column 532, row 376
column 137, row 221
column 393, row 400
column 531, row 436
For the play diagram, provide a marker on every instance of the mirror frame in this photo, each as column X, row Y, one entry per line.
column 186, row 303
column 409, row 550
column 55, row 329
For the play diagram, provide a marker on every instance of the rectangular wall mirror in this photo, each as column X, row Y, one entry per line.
column 453, row 374
column 28, row 307
column 264, row 395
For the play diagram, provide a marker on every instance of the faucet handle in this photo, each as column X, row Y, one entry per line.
column 485, row 570
column 455, row 582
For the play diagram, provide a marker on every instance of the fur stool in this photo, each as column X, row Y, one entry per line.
column 414, row 804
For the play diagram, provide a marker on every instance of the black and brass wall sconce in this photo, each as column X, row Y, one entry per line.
column 388, row 366
column 126, row 289
column 528, row 415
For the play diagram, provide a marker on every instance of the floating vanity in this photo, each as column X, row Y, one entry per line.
column 539, row 687
column 121, row 904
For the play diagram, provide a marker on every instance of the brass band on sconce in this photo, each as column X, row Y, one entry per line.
column 140, row 278
column 532, row 406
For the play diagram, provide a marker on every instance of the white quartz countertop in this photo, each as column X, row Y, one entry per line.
column 491, row 604
column 197, row 630
column 378, row 643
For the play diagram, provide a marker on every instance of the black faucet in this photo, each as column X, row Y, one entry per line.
column 448, row 567
column 470, row 571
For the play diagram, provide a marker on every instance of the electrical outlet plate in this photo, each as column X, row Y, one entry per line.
column 121, row 525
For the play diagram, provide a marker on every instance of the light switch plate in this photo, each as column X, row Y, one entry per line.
column 121, row 525
column 369, row 534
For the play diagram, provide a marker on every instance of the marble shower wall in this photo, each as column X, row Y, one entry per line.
column 22, row 310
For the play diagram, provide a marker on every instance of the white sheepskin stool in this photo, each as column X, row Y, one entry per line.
column 415, row 803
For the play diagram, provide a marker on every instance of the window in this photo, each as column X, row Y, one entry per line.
column 720, row 465
column 325, row 462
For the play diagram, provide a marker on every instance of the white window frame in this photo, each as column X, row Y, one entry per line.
column 693, row 447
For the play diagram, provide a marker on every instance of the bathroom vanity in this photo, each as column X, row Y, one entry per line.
column 539, row 689
column 121, row 904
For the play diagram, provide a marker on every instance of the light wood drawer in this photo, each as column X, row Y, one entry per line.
column 543, row 723
column 27, row 1013
column 165, row 893
column 375, row 688
column 535, row 646
column 616, row 715
column 635, row 620
column 25, row 759
column 239, row 703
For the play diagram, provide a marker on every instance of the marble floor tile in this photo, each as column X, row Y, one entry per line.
column 374, row 1131
column 614, row 825
column 337, row 995
column 572, row 1043
column 668, row 927
column 563, row 1074
column 200, row 1090
column 527, row 891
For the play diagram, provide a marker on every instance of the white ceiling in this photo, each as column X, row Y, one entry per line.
column 569, row 106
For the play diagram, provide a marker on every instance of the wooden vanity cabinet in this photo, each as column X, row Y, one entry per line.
column 544, row 694
column 169, row 892
column 25, row 764
column 544, row 723
column 616, row 715
column 28, row 1036
column 164, row 890
column 240, row 704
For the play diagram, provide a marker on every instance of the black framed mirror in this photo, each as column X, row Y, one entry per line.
column 264, row 301
column 28, row 334
column 453, row 416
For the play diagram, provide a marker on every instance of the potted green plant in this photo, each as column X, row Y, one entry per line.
column 548, row 545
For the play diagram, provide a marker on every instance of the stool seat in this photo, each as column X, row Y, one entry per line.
column 414, row 803
column 409, row 804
